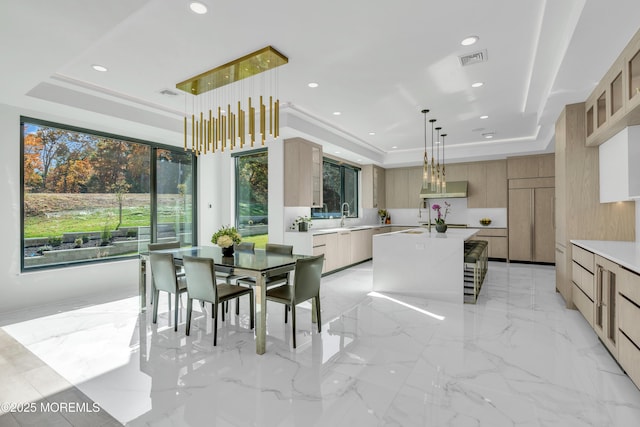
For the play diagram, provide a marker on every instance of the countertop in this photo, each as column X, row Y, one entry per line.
column 626, row 254
column 317, row 231
column 422, row 233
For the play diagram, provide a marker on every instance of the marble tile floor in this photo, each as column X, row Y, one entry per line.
column 517, row 357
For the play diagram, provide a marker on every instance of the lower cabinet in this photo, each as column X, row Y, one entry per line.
column 604, row 317
column 344, row 248
column 361, row 245
column 497, row 239
column 583, row 292
column 628, row 309
column 608, row 296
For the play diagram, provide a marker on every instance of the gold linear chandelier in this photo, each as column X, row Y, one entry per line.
column 212, row 123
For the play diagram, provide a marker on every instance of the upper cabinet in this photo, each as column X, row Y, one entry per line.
column 373, row 187
column 402, row 187
column 302, row 173
column 615, row 102
column 487, row 184
column 542, row 166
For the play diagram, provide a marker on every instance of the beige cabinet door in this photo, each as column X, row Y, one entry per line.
column 331, row 252
column 544, row 225
column 477, row 185
column 344, row 249
column 496, row 184
column 520, row 224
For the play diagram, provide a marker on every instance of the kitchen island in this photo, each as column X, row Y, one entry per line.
column 416, row 262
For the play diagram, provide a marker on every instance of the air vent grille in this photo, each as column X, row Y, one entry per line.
column 474, row 58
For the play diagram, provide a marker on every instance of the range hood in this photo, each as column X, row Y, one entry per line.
column 454, row 189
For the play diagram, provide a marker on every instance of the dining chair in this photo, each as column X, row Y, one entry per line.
column 201, row 285
column 157, row 247
column 228, row 276
column 306, row 285
column 163, row 271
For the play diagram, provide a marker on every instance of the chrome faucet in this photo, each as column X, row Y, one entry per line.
column 429, row 212
column 343, row 213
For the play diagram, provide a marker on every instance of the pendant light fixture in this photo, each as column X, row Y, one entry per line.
column 433, row 166
column 425, row 164
column 444, row 179
column 438, row 182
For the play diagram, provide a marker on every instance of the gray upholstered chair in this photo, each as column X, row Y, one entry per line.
column 228, row 276
column 201, row 285
column 306, row 285
column 163, row 270
column 157, row 247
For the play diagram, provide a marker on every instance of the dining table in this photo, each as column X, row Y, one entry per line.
column 258, row 265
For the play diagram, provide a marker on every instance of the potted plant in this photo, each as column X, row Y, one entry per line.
column 382, row 213
column 441, row 225
column 226, row 237
column 302, row 223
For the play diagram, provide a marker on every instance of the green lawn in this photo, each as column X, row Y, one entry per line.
column 260, row 240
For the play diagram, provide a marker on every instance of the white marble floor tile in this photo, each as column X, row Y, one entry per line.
column 517, row 357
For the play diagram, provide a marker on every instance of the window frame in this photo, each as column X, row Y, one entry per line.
column 153, row 199
column 235, row 157
column 354, row 210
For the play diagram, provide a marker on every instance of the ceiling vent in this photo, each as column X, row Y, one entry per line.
column 168, row 92
column 474, row 58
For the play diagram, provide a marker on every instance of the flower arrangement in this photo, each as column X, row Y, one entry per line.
column 301, row 220
column 226, row 237
column 382, row 213
column 441, row 218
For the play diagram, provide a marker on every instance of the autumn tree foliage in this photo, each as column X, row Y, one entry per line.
column 63, row 161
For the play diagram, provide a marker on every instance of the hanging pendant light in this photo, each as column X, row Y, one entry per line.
column 425, row 164
column 433, row 166
column 438, row 182
column 444, row 179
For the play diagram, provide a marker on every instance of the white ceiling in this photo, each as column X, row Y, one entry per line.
column 378, row 63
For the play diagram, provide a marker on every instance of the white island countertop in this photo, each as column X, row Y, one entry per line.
column 626, row 254
column 416, row 262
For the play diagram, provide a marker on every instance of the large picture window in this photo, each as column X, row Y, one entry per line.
column 89, row 196
column 339, row 186
column 252, row 196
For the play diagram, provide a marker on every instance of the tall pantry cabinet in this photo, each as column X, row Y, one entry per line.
column 531, row 208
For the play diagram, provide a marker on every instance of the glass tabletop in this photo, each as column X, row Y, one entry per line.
column 260, row 260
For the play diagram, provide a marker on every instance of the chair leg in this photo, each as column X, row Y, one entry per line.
column 156, row 295
column 318, row 313
column 238, row 306
column 225, row 307
column 189, row 306
column 169, row 303
column 251, row 306
column 215, row 324
column 175, row 326
column 286, row 313
column 293, row 323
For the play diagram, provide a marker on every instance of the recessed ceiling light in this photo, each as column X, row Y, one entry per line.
column 477, row 84
column 336, row 113
column 372, row 133
column 100, row 68
column 337, row 152
column 484, row 117
column 488, row 136
column 358, row 160
column 313, row 84
column 197, row 7
column 468, row 41
column 395, row 146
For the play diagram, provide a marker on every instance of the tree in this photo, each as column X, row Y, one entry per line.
column 32, row 162
column 120, row 188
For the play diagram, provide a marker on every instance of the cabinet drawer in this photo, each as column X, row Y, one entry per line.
column 492, row 232
column 319, row 240
column 583, row 303
column 629, row 319
column 629, row 358
column 629, row 285
column 583, row 279
column 583, row 257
